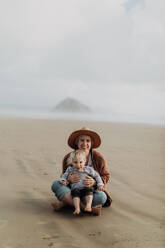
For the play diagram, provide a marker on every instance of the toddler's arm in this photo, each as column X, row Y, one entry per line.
column 100, row 184
column 65, row 175
column 100, row 188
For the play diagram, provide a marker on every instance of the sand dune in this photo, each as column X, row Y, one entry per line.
column 31, row 152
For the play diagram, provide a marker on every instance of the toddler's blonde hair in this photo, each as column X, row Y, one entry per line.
column 77, row 153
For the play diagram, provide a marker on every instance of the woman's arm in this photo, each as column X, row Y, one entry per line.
column 100, row 165
column 64, row 163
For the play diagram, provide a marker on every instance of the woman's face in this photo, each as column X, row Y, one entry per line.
column 84, row 143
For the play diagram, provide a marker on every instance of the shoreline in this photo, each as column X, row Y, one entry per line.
column 92, row 117
column 84, row 120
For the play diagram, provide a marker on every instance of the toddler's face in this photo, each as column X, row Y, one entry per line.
column 78, row 162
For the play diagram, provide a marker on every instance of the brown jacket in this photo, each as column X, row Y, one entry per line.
column 100, row 165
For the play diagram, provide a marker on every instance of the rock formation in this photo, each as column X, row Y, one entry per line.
column 72, row 106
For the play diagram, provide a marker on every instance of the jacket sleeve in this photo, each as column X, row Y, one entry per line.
column 64, row 163
column 100, row 165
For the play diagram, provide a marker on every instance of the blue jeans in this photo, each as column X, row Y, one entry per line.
column 59, row 189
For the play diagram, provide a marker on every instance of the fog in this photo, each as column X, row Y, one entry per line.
column 107, row 54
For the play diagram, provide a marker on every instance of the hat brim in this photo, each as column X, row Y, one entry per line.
column 96, row 140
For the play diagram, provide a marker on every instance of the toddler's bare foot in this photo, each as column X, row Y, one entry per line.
column 96, row 210
column 76, row 211
column 57, row 205
column 88, row 209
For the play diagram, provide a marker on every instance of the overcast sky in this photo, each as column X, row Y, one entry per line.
column 95, row 49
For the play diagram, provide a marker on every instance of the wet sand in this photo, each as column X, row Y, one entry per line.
column 31, row 152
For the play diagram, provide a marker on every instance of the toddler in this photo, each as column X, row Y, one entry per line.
column 76, row 165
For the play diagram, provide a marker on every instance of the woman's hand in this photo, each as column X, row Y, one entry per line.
column 89, row 181
column 74, row 178
column 64, row 182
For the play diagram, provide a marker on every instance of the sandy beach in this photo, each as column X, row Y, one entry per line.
column 31, row 152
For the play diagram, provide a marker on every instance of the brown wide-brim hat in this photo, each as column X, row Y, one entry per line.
column 96, row 140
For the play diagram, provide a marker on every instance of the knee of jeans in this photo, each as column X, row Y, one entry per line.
column 99, row 198
column 55, row 185
column 102, row 197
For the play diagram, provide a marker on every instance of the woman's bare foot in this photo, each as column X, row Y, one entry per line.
column 57, row 205
column 76, row 211
column 96, row 210
column 88, row 209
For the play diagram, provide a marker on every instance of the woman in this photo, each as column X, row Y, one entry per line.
column 86, row 140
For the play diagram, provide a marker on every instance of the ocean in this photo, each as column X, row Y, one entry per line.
column 16, row 111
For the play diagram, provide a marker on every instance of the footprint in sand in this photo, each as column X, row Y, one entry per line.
column 50, row 244
column 94, row 233
column 3, row 223
column 47, row 236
